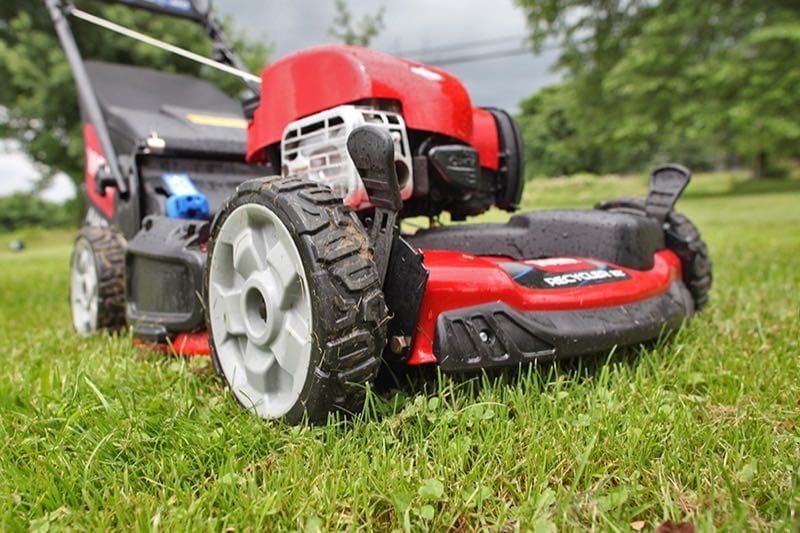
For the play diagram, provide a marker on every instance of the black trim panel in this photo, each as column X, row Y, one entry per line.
column 495, row 335
column 619, row 238
column 164, row 277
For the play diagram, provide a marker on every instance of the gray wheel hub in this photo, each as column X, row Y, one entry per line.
column 260, row 310
column 84, row 286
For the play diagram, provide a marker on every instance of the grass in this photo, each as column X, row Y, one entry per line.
column 96, row 434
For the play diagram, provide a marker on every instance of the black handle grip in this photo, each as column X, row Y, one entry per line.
column 667, row 182
column 372, row 150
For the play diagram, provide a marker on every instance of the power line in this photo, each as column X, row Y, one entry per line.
column 476, row 43
column 439, row 62
column 470, row 58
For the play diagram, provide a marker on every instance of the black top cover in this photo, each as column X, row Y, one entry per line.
column 620, row 238
column 190, row 114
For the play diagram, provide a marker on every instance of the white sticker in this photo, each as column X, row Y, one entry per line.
column 179, row 184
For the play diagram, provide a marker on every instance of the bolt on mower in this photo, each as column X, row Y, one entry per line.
column 267, row 234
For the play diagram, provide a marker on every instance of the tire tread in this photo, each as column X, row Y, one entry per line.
column 683, row 238
column 350, row 323
column 108, row 247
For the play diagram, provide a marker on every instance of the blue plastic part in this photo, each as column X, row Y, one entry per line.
column 179, row 6
column 185, row 201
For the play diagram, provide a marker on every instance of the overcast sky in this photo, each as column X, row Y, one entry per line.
column 430, row 29
column 17, row 174
column 413, row 25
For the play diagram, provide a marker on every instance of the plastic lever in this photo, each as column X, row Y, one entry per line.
column 667, row 182
column 372, row 150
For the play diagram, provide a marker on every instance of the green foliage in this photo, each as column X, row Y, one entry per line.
column 37, row 96
column 347, row 30
column 26, row 210
column 714, row 80
column 554, row 143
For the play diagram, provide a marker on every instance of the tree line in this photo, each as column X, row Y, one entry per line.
column 710, row 84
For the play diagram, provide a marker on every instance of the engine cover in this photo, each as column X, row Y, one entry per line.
column 315, row 148
column 324, row 77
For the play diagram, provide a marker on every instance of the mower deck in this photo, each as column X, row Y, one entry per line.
column 489, row 311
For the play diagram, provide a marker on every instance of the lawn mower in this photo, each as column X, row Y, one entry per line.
column 266, row 234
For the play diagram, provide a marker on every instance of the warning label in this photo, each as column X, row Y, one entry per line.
column 531, row 274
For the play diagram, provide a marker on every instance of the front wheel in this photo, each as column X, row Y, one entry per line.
column 295, row 314
column 682, row 237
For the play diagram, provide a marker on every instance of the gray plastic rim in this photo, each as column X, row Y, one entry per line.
column 260, row 311
column 84, row 288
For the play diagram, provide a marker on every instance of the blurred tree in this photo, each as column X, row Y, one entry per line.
column 24, row 210
column 555, row 145
column 38, row 100
column 714, row 78
column 345, row 29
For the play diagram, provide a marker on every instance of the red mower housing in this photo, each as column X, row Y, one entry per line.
column 430, row 99
column 267, row 233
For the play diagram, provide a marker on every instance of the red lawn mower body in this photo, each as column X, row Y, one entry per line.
column 340, row 145
column 433, row 101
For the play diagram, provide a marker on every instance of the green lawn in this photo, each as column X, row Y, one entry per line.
column 96, row 434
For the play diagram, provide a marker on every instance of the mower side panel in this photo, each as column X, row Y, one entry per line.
column 94, row 160
column 164, row 265
column 457, row 281
column 495, row 335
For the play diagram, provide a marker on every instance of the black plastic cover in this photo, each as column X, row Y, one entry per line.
column 372, row 150
column 138, row 102
column 667, row 182
column 511, row 175
column 403, row 291
column 164, row 277
column 619, row 238
column 460, row 166
column 495, row 335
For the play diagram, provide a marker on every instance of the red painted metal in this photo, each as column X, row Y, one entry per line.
column 94, row 160
column 187, row 344
column 319, row 78
column 484, row 138
column 459, row 280
column 193, row 343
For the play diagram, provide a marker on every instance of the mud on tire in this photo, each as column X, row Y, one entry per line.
column 683, row 238
column 348, row 315
column 105, row 249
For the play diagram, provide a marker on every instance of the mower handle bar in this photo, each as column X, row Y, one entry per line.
column 59, row 10
column 200, row 12
column 187, row 9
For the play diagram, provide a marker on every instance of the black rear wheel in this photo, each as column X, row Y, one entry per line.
column 295, row 310
column 97, row 284
column 682, row 237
